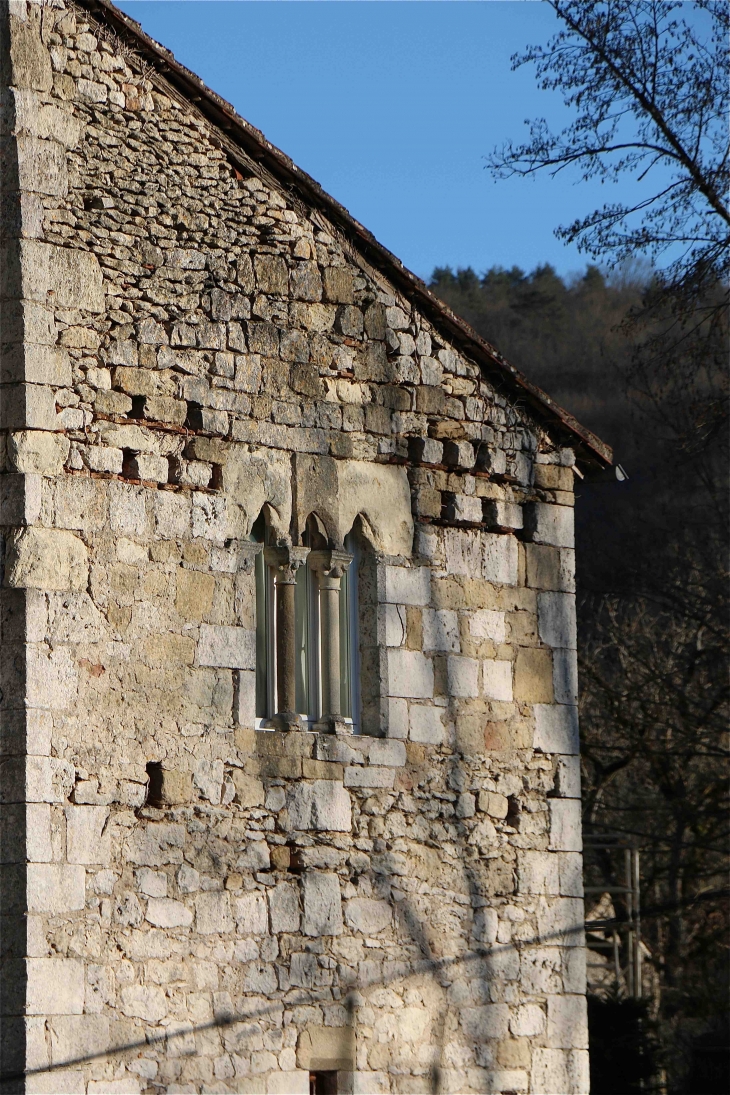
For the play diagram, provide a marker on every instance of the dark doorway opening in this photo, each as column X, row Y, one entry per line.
column 323, row 1083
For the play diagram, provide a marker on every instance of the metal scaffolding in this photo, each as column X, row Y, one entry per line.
column 618, row 936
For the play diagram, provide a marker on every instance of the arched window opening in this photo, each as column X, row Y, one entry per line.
column 265, row 628
column 350, row 634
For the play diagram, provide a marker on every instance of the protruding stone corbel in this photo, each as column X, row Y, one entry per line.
column 285, row 562
column 330, row 565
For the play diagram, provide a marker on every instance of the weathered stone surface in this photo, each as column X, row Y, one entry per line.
column 55, row 888
column 409, row 674
column 187, row 368
column 322, row 904
column 367, row 915
column 284, row 908
column 556, row 728
column 323, row 805
column 55, row 986
column 232, row 647
column 47, row 559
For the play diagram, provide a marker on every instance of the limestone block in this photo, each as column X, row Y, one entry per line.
column 163, row 912
column 486, row 925
column 152, row 469
column 41, row 166
column 560, row 922
column 151, row 883
column 38, row 846
column 410, row 674
column 488, row 1021
column 194, row 594
column 533, row 675
column 144, row 1002
column 130, row 1085
column 36, row 365
column 55, row 888
column 556, row 619
column 367, row 915
column 408, row 585
column 40, row 119
column 546, row 524
column 440, row 630
column 323, row 805
column 503, row 515
column 540, row 969
column 567, row 777
column 208, row 778
column 395, row 625
column 383, row 751
column 55, row 986
column 527, row 1021
column 497, row 679
column 493, row 804
column 567, row 1025
column 58, row 1082
column 47, row 779
column 87, row 837
column 249, row 790
column 571, row 874
column 487, row 624
column 326, row 1048
column 556, row 728
column 30, row 60
column 463, row 507
column 565, row 676
column 75, row 1036
column 538, row 872
column 565, row 824
column 227, row 647
column 74, row 276
column 574, row 970
column 103, row 458
column 500, row 559
column 462, row 676
column 188, row 879
column 284, row 907
column 397, row 725
column 21, row 499
column 47, row 559
column 51, row 677
column 213, row 913
column 369, row 777
column 31, row 406
column 251, row 914
column 550, row 567
column 322, row 904
column 557, row 1070
column 426, row 725
column 295, row 1082
column 425, row 450
column 172, row 520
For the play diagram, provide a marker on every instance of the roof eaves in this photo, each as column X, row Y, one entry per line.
column 590, row 450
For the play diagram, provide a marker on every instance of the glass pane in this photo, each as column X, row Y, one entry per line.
column 301, row 626
column 262, row 637
column 345, row 653
column 350, row 602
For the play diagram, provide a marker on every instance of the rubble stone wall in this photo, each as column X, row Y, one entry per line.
column 183, row 342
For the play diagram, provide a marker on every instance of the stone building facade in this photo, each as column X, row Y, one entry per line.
column 289, row 786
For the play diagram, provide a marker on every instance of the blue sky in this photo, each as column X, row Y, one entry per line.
column 392, row 107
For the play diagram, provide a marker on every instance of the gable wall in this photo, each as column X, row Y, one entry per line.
column 183, row 342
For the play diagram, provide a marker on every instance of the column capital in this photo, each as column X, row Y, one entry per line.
column 286, row 561
column 330, row 563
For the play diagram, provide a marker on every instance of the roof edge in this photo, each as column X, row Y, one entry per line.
column 590, row 449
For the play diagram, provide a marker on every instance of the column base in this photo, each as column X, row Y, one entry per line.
column 286, row 720
column 332, row 724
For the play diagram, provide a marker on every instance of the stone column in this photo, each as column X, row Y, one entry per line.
column 286, row 562
column 329, row 567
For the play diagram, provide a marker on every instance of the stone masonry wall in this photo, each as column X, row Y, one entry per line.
column 183, row 342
